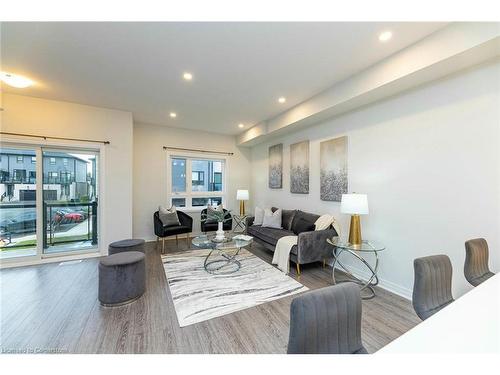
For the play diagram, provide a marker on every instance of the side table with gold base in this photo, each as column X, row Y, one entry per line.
column 358, row 252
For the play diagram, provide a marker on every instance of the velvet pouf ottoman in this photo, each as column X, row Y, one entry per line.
column 126, row 245
column 122, row 278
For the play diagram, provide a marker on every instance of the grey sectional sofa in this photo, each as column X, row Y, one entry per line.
column 311, row 246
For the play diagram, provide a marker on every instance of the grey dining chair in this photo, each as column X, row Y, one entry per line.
column 432, row 286
column 327, row 321
column 476, row 261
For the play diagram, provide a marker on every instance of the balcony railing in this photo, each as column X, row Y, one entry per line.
column 32, row 180
column 54, row 218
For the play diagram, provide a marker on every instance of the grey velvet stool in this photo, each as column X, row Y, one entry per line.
column 122, row 278
column 476, row 261
column 432, row 286
column 126, row 245
column 327, row 321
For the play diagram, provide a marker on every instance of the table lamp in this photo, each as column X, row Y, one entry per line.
column 242, row 196
column 355, row 205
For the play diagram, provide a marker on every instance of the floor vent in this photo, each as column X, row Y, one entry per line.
column 70, row 262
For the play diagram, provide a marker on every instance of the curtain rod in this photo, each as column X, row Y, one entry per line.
column 195, row 150
column 60, row 138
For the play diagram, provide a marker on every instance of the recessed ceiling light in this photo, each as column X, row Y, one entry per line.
column 173, row 114
column 187, row 76
column 385, row 36
column 282, row 99
column 241, row 126
column 15, row 80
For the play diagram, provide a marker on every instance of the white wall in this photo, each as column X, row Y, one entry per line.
column 150, row 170
column 429, row 162
column 24, row 114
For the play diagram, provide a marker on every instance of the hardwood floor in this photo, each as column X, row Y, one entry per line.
column 54, row 308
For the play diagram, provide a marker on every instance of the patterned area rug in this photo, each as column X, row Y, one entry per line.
column 199, row 295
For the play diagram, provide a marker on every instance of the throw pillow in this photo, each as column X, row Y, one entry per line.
column 272, row 219
column 168, row 216
column 287, row 219
column 259, row 216
column 303, row 226
column 324, row 222
column 210, row 210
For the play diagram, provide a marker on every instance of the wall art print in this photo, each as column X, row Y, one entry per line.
column 276, row 166
column 299, row 168
column 333, row 169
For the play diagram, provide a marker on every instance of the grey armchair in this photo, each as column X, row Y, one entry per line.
column 327, row 321
column 186, row 227
column 432, row 286
column 476, row 261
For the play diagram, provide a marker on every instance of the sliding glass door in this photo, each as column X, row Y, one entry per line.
column 49, row 201
column 18, row 217
column 70, row 199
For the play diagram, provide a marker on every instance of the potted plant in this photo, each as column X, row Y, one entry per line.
column 220, row 216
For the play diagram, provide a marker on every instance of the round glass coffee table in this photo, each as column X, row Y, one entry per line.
column 358, row 252
column 222, row 257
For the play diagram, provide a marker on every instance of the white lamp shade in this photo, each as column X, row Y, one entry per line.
column 242, row 195
column 354, row 204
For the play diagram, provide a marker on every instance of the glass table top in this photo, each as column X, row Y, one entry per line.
column 365, row 245
column 231, row 240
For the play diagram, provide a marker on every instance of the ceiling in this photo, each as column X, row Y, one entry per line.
column 239, row 69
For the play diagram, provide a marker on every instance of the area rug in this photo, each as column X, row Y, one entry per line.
column 199, row 295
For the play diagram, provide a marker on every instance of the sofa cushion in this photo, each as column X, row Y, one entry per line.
column 286, row 218
column 303, row 225
column 311, row 218
column 269, row 235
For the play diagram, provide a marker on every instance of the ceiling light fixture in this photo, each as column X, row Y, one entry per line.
column 15, row 80
column 173, row 114
column 385, row 36
column 241, row 126
column 282, row 99
column 187, row 76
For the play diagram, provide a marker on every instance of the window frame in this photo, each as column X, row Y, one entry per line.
column 189, row 194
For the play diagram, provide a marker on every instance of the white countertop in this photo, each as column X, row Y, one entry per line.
column 468, row 325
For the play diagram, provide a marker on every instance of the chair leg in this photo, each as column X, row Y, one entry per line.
column 187, row 240
column 163, row 245
column 324, row 263
column 177, row 240
column 298, row 269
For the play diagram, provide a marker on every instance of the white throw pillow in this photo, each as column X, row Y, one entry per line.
column 259, row 216
column 324, row 222
column 272, row 219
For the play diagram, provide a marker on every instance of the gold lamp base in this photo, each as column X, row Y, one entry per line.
column 242, row 208
column 355, row 230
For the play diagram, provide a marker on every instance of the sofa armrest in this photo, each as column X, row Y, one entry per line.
column 312, row 246
column 249, row 220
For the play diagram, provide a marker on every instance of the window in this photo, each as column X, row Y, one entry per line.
column 33, row 159
column 19, row 175
column 52, row 161
column 206, row 185
column 65, row 161
column 53, row 174
column 198, row 178
column 20, row 159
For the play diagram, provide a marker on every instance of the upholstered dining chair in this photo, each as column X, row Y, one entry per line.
column 476, row 261
column 327, row 321
column 211, row 225
column 162, row 232
column 432, row 286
